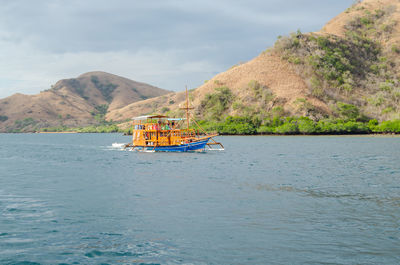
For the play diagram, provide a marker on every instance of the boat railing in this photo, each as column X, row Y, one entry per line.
column 159, row 130
column 161, row 134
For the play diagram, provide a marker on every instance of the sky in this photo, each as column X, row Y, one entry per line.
column 165, row 43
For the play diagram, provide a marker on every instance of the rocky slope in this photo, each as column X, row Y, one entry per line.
column 73, row 102
column 350, row 69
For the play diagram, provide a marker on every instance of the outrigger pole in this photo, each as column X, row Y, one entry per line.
column 187, row 108
column 208, row 144
column 151, row 136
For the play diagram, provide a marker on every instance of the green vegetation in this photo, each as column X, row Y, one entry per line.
column 395, row 49
column 298, row 125
column 99, row 113
column 232, row 125
column 334, row 62
column 261, row 93
column 3, row 118
column 102, row 109
column 347, row 118
column 77, row 86
column 341, row 69
column 81, row 92
column 88, row 129
column 165, row 109
column 347, row 111
column 105, row 89
column 103, row 126
column 236, row 125
column 304, row 106
column 387, row 127
column 27, row 124
column 215, row 105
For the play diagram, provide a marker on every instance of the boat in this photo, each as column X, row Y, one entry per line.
column 160, row 133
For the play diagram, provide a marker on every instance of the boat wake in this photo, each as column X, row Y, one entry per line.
column 119, row 146
column 216, row 149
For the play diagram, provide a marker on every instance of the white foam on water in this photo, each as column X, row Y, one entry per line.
column 148, row 151
column 118, row 145
column 216, row 149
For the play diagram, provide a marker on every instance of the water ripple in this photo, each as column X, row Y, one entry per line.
column 265, row 200
column 395, row 201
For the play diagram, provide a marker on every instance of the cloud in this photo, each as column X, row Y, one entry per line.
column 166, row 43
column 34, row 70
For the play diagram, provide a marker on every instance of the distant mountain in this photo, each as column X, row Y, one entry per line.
column 350, row 69
column 80, row 101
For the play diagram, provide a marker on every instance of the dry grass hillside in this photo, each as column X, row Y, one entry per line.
column 351, row 65
column 266, row 77
column 348, row 70
column 80, row 101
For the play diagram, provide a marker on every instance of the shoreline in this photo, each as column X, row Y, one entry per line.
column 54, row 132
column 319, row 135
column 252, row 135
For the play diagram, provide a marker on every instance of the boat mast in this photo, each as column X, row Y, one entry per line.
column 187, row 108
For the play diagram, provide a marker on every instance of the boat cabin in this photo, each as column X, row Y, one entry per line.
column 159, row 130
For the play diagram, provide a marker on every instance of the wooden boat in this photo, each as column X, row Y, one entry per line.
column 159, row 133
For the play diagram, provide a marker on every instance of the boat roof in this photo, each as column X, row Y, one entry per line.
column 145, row 117
column 156, row 116
column 176, row 119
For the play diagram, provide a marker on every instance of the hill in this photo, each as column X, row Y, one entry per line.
column 80, row 101
column 349, row 70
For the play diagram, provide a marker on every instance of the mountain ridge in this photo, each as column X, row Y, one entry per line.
column 350, row 69
column 72, row 102
column 352, row 62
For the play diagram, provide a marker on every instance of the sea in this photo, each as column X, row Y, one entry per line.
column 74, row 199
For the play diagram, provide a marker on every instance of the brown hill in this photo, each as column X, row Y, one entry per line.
column 267, row 72
column 72, row 102
column 349, row 68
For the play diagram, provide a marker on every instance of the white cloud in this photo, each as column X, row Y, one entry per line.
column 168, row 43
column 31, row 70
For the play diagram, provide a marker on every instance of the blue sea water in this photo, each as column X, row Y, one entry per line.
column 72, row 199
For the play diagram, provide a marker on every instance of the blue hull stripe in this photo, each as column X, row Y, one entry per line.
column 181, row 148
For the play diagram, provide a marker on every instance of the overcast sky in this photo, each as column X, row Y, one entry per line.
column 166, row 43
